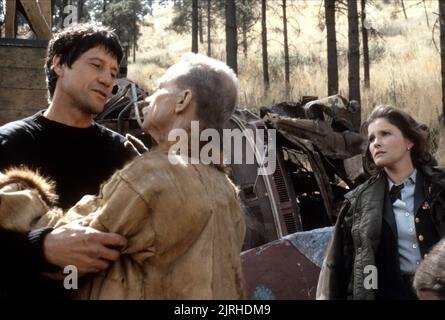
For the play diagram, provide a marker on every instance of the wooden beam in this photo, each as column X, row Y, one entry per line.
column 39, row 17
column 21, row 78
column 22, row 57
column 45, row 6
column 10, row 29
column 22, row 98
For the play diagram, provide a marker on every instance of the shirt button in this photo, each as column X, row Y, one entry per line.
column 406, row 214
column 414, row 246
column 425, row 255
column 411, row 229
column 417, row 262
column 421, row 238
column 417, row 220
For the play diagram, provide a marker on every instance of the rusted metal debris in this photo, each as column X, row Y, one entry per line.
column 286, row 269
column 319, row 160
column 321, row 154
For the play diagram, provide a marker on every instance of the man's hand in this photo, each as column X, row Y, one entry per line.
column 84, row 247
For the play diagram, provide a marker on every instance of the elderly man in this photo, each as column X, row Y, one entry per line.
column 182, row 219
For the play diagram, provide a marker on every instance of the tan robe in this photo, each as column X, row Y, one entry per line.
column 184, row 227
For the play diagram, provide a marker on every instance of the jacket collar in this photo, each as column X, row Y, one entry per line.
column 419, row 191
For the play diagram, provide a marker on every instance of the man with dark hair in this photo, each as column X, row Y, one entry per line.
column 64, row 144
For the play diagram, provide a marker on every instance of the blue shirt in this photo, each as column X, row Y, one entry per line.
column 409, row 252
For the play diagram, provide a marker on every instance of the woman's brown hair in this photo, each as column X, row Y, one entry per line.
column 417, row 133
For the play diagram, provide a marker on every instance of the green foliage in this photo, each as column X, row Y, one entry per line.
column 182, row 14
column 377, row 52
column 121, row 16
column 182, row 19
column 247, row 14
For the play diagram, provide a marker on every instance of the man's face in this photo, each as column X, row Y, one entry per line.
column 160, row 110
column 89, row 82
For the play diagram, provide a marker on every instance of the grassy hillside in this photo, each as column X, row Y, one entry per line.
column 405, row 64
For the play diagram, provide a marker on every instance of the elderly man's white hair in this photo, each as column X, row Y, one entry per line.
column 213, row 83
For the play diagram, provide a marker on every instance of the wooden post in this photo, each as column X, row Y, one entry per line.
column 38, row 14
column 10, row 29
column 39, row 17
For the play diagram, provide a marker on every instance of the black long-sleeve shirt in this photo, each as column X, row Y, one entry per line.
column 77, row 159
column 21, row 266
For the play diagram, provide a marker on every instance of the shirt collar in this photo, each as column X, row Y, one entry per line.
column 408, row 181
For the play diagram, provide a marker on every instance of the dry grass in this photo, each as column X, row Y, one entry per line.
column 405, row 65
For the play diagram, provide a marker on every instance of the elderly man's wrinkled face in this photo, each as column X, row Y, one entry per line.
column 160, row 109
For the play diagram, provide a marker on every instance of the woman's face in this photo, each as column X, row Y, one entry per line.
column 387, row 144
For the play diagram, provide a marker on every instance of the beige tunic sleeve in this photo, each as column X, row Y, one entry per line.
column 119, row 209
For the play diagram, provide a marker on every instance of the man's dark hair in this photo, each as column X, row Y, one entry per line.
column 72, row 42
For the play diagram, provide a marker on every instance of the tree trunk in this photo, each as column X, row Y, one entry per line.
column 53, row 15
column 201, row 36
column 264, row 47
column 442, row 53
column 244, row 28
column 231, row 35
column 329, row 6
column 244, row 38
column 354, row 59
column 286, row 52
column 135, row 31
column 365, row 45
column 62, row 13
column 209, row 25
column 404, row 10
column 80, row 4
column 195, row 26
column 104, row 6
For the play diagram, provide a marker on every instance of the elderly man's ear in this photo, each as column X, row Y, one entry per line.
column 185, row 98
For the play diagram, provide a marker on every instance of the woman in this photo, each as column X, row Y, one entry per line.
column 388, row 223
